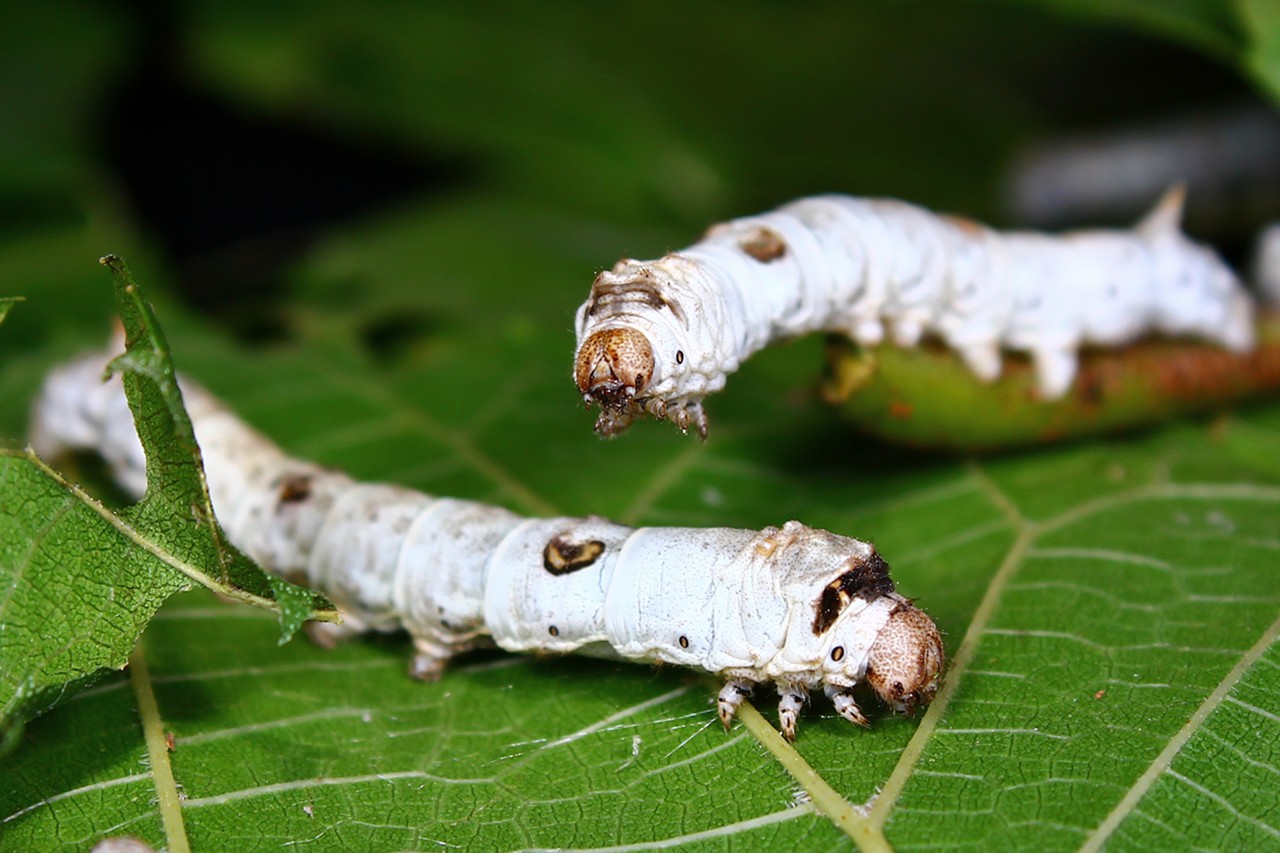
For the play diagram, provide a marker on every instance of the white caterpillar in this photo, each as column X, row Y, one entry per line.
column 793, row 606
column 655, row 337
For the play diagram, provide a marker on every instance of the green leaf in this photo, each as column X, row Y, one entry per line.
column 1261, row 21
column 81, row 582
column 79, row 588
column 176, row 485
column 1104, row 605
column 6, row 303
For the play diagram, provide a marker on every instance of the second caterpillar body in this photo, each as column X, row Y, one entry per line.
column 792, row 606
column 655, row 337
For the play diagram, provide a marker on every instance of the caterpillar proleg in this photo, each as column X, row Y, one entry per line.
column 656, row 337
column 792, row 606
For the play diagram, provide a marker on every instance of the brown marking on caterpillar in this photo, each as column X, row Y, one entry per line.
column 763, row 244
column 969, row 226
column 640, row 287
column 774, row 539
column 295, row 488
column 906, row 659
column 866, row 579
column 561, row 556
column 684, row 641
column 837, row 654
column 553, row 631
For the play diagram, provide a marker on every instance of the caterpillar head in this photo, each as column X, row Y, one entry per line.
column 614, row 367
column 906, row 660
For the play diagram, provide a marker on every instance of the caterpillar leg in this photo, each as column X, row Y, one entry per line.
column 612, row 422
column 906, row 332
column 983, row 359
column 430, row 659
column 794, row 698
column 693, row 415
column 845, row 706
column 868, row 332
column 1055, row 369
column 1238, row 333
column 730, row 699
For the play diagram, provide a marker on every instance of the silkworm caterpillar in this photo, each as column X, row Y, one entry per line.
column 792, row 606
column 656, row 337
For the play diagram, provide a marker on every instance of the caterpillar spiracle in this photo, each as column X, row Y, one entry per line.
column 656, row 337
column 792, row 606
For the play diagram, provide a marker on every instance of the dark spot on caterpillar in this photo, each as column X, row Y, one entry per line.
column 562, row 556
column 679, row 356
column 684, row 641
column 837, row 653
column 866, row 579
column 553, row 631
column 295, row 488
column 763, row 244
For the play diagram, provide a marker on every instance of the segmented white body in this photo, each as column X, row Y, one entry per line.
column 655, row 337
column 798, row 607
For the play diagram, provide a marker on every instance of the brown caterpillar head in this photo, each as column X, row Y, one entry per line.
column 613, row 367
column 906, row 660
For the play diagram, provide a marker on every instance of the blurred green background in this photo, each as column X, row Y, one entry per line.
column 227, row 140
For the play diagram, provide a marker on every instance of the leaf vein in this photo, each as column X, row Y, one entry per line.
column 1130, row 801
